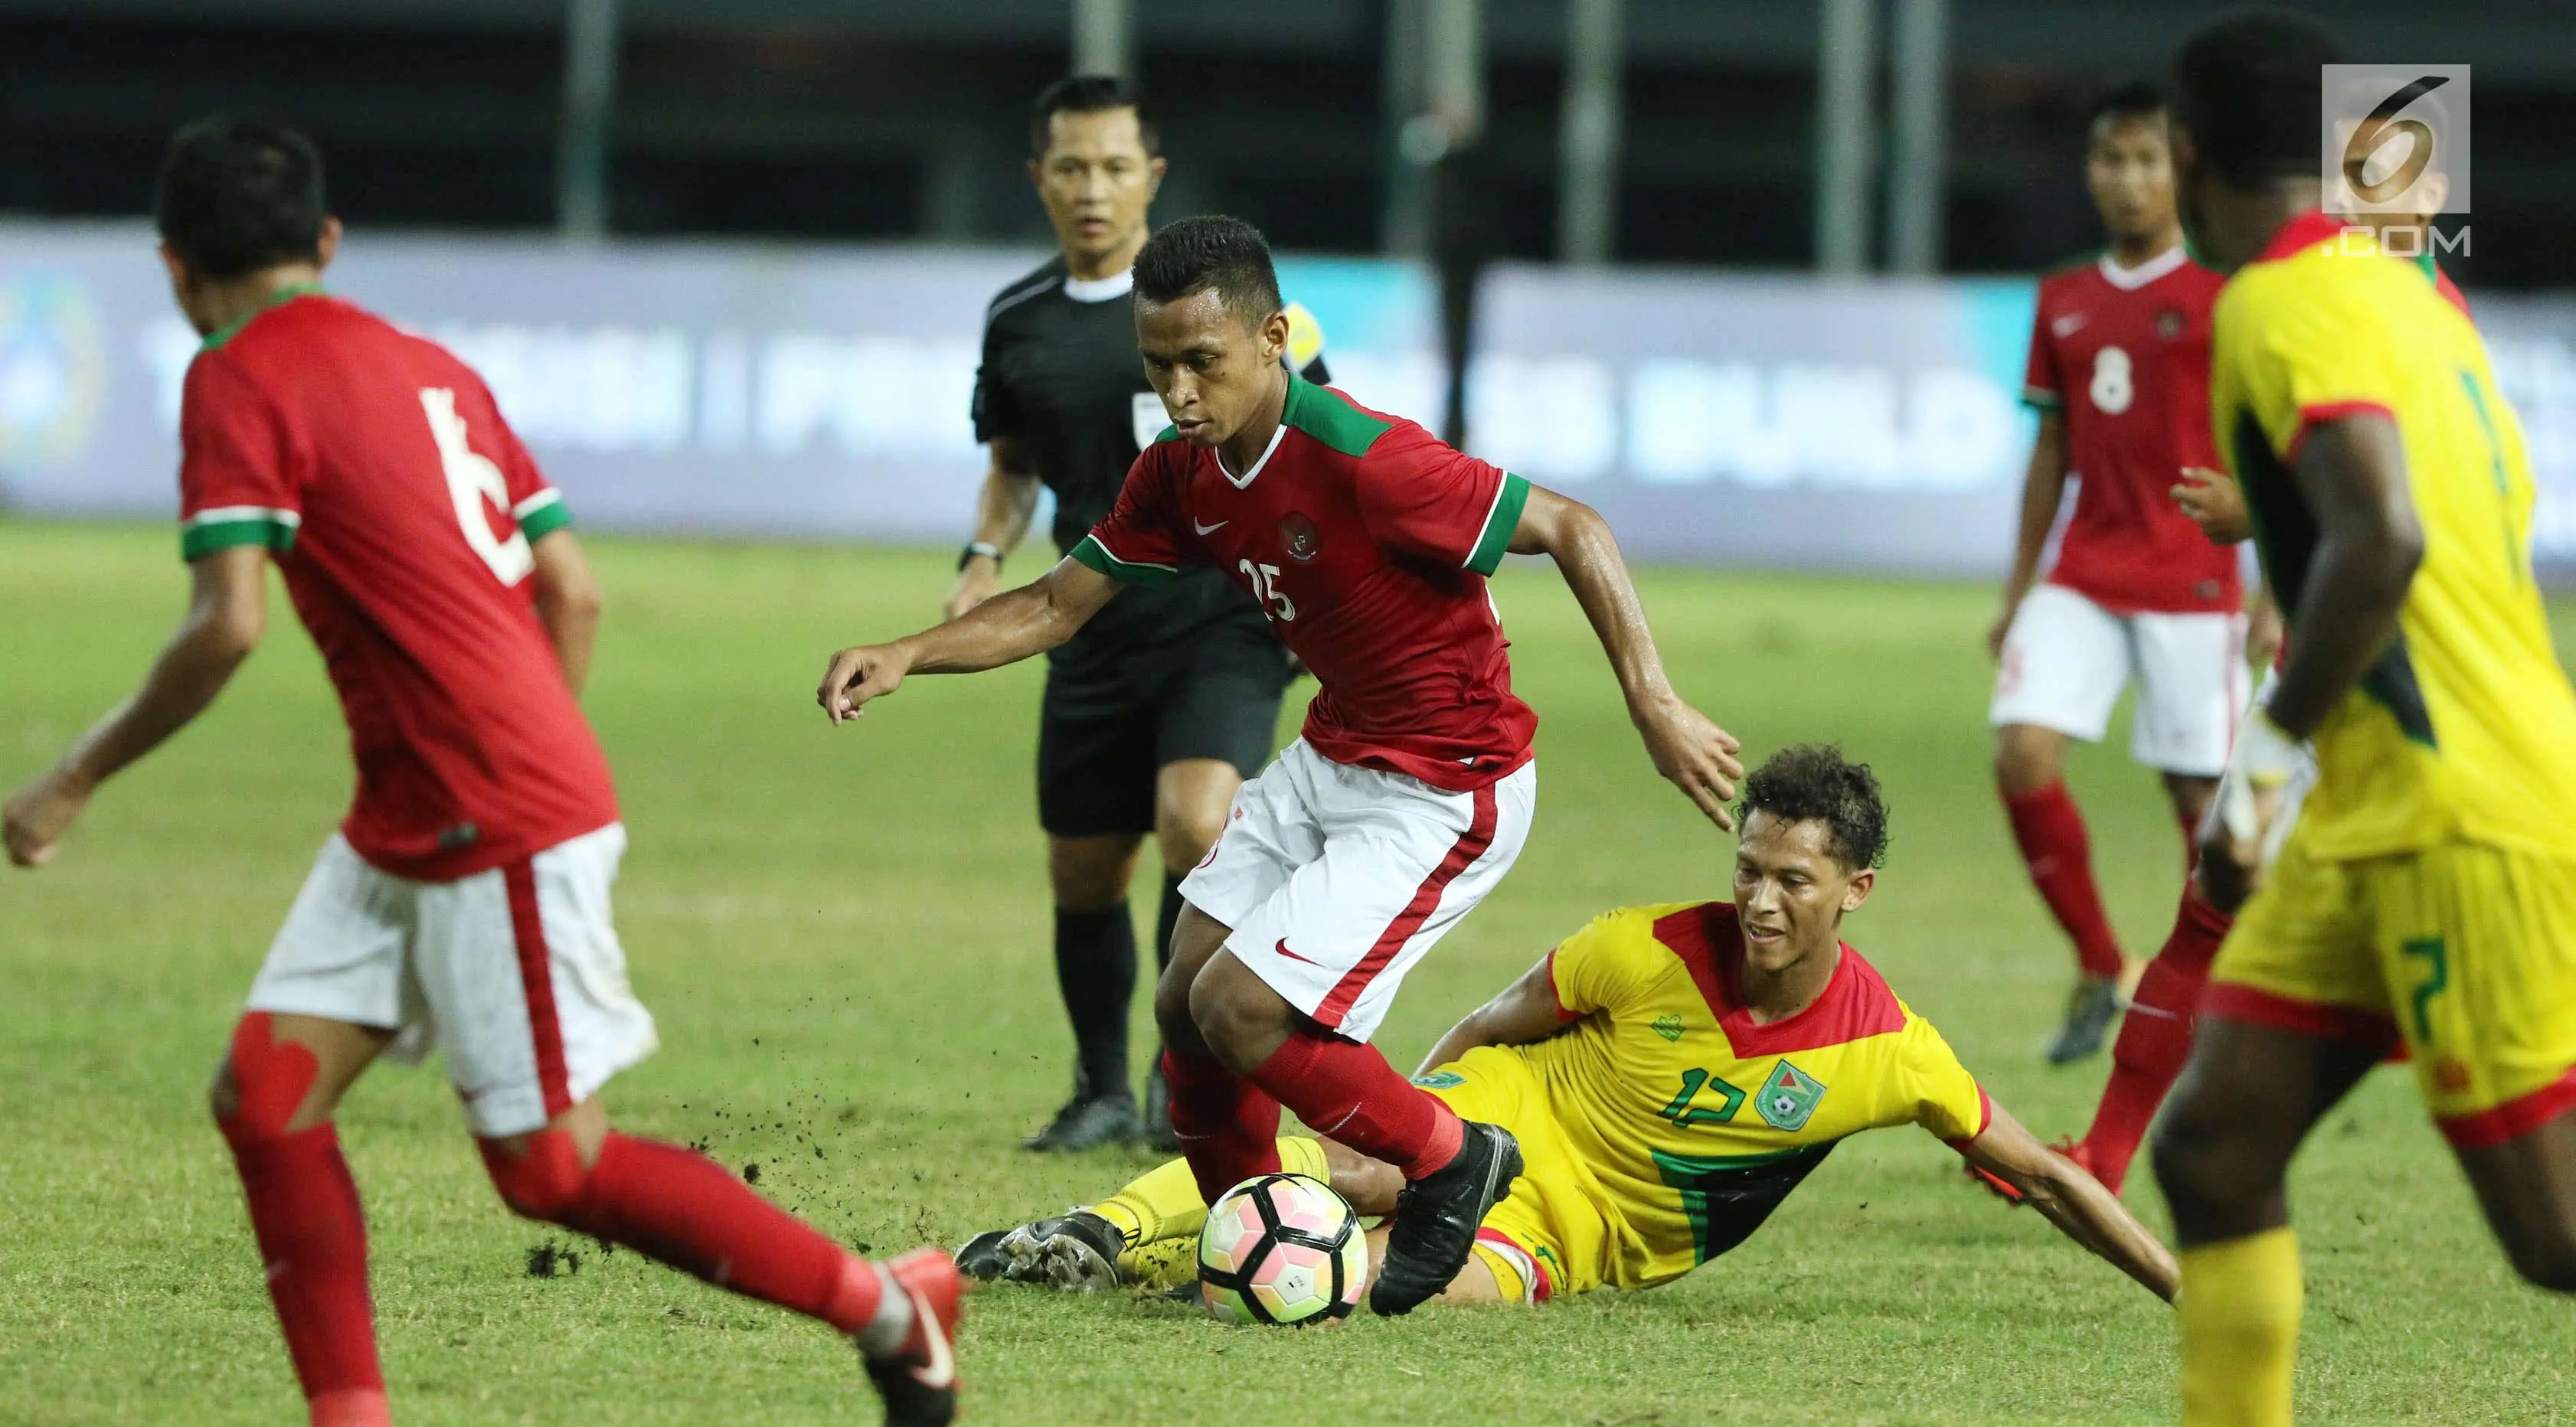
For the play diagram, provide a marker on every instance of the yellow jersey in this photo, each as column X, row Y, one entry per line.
column 2466, row 728
column 1684, row 1121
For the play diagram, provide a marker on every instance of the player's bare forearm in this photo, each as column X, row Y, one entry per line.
column 1587, row 554
column 2043, row 489
column 2074, row 1201
column 227, row 612
column 568, row 603
column 1689, row 749
column 2352, row 470
column 1524, row 1012
column 1002, row 630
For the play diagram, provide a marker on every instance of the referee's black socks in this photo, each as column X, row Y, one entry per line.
column 1095, row 969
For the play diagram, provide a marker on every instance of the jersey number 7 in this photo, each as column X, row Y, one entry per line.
column 473, row 479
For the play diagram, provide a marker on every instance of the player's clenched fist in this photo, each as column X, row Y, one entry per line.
column 858, row 675
column 39, row 815
column 1697, row 755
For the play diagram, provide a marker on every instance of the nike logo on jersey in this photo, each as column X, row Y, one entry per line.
column 1292, row 956
column 2068, row 325
column 1208, row 529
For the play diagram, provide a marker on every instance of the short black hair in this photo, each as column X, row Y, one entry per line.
column 2250, row 88
column 1212, row 253
column 2129, row 99
column 1089, row 94
column 1815, row 780
column 238, row 193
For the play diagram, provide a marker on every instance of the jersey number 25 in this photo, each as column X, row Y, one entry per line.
column 472, row 479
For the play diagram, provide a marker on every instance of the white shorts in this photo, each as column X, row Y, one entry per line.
column 515, row 973
column 1336, row 879
column 2067, row 659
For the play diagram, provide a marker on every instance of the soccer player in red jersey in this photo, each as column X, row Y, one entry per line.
column 1410, row 793
column 464, row 903
column 2119, row 364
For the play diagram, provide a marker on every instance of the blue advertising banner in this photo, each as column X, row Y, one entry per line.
column 821, row 392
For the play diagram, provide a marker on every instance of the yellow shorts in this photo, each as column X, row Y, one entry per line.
column 1551, row 1220
column 2467, row 953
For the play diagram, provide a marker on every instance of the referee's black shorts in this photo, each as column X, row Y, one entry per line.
column 1107, row 726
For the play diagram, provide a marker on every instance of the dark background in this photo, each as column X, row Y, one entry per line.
column 904, row 119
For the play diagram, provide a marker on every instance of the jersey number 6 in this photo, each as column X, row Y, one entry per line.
column 472, row 479
column 1265, row 588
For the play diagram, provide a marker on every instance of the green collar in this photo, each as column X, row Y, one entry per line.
column 279, row 298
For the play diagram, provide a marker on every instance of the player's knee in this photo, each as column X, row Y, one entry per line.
column 2022, row 765
column 1185, row 836
column 540, row 1176
column 262, row 1083
column 1234, row 1011
column 2545, row 1255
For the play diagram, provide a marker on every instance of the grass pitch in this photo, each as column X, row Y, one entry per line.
column 844, row 935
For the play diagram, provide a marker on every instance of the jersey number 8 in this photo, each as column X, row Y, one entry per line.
column 472, row 479
column 2115, row 382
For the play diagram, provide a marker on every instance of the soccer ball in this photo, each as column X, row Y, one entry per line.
column 1282, row 1249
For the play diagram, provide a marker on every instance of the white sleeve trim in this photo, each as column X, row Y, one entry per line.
column 539, row 501
column 234, row 514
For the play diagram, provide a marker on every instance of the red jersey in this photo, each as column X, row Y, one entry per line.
column 399, row 507
column 2124, row 353
column 1367, row 542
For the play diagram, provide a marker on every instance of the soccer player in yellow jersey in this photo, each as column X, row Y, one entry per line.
column 1672, row 1073
column 2427, row 893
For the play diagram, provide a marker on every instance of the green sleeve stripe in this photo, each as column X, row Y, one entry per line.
column 1126, row 572
column 1487, row 557
column 545, row 519
column 2041, row 398
column 198, row 541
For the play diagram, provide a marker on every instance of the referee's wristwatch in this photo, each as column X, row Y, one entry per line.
column 985, row 548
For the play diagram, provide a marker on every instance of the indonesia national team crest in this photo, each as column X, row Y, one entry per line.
column 1789, row 1098
column 1299, row 537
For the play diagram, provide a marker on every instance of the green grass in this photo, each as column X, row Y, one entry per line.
column 844, row 935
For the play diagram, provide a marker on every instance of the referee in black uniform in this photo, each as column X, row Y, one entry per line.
column 1169, row 698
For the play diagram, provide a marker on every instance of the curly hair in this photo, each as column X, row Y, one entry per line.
column 1815, row 780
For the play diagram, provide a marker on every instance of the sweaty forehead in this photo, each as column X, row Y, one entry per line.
column 1194, row 320
column 1096, row 133
column 1770, row 839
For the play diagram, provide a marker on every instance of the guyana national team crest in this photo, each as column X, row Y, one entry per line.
column 1669, row 1027
column 1789, row 1098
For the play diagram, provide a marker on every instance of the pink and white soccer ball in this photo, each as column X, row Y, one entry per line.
column 1282, row 1249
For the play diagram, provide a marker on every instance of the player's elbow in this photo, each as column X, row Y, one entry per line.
column 571, row 599
column 1553, row 525
column 230, row 631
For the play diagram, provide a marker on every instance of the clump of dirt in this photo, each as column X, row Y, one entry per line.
column 553, row 1260
column 751, row 1172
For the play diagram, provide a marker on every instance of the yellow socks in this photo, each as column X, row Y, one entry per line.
column 1163, row 1203
column 2240, row 1330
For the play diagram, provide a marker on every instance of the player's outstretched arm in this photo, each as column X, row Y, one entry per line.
column 2352, row 469
column 1525, row 1011
column 2074, row 1201
column 1696, row 754
column 568, row 602
column 1002, row 630
column 227, row 612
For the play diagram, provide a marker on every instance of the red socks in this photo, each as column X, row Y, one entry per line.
column 1346, row 1091
column 691, row 1213
column 2155, row 1039
column 313, row 1242
column 2059, row 854
column 1228, row 1127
